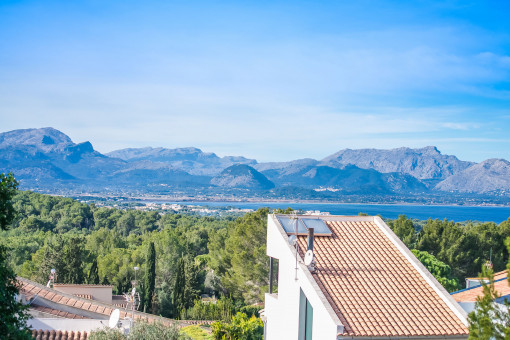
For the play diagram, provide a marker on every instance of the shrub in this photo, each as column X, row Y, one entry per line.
column 223, row 309
column 106, row 334
column 142, row 330
column 155, row 331
column 240, row 328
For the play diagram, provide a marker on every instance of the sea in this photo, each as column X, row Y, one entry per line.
column 456, row 213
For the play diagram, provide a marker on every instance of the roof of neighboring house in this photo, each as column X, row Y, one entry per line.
column 81, row 285
column 470, row 294
column 31, row 289
column 85, row 296
column 56, row 312
column 57, row 335
column 499, row 275
column 376, row 286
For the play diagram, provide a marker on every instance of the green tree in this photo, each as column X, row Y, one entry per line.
column 8, row 187
column 93, row 277
column 440, row 270
column 489, row 320
column 247, row 263
column 13, row 314
column 150, row 277
column 65, row 255
column 178, row 299
column 404, row 229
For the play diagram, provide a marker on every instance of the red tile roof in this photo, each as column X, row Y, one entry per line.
column 374, row 288
column 470, row 294
column 58, row 335
column 57, row 312
column 30, row 289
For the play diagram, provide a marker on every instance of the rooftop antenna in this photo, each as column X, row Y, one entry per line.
column 132, row 299
column 309, row 256
column 294, row 218
column 51, row 281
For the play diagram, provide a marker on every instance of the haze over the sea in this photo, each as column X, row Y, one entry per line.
column 273, row 81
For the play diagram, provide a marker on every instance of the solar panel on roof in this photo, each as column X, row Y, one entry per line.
column 303, row 224
column 317, row 224
column 289, row 225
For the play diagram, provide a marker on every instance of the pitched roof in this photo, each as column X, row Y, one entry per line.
column 56, row 312
column 30, row 289
column 57, row 335
column 470, row 294
column 376, row 286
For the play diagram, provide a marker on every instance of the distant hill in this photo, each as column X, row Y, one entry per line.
column 349, row 178
column 191, row 160
column 36, row 155
column 242, row 176
column 425, row 163
column 490, row 176
column 48, row 160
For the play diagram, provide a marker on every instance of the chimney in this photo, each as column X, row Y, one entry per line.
column 310, row 239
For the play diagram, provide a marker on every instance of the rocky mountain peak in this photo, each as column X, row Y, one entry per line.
column 44, row 138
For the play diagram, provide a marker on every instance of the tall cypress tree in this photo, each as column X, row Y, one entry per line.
column 93, row 277
column 150, row 277
column 178, row 299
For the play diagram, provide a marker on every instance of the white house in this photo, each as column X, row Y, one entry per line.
column 363, row 283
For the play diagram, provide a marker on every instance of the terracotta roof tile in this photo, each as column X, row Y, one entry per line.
column 57, row 335
column 373, row 288
column 56, row 312
column 27, row 287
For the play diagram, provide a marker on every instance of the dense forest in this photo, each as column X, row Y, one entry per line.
column 183, row 256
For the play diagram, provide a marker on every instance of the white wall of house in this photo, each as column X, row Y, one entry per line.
column 282, row 309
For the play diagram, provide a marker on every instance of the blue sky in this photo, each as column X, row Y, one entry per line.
column 268, row 80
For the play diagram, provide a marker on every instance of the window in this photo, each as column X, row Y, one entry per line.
column 305, row 317
column 273, row 275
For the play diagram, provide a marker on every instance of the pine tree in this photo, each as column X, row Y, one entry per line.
column 93, row 277
column 489, row 320
column 178, row 298
column 150, row 277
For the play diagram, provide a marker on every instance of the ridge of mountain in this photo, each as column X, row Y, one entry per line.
column 190, row 159
column 489, row 176
column 47, row 158
column 425, row 163
column 242, row 176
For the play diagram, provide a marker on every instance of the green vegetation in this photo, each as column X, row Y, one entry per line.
column 463, row 248
column 196, row 333
column 150, row 277
column 240, row 327
column 489, row 320
column 13, row 314
column 141, row 331
column 182, row 256
column 440, row 270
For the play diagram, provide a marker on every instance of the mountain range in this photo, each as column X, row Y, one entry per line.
column 48, row 160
